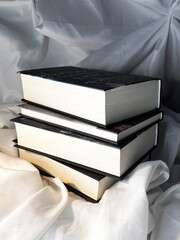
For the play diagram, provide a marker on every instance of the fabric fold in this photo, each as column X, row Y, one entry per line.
column 122, row 213
column 29, row 204
column 167, row 215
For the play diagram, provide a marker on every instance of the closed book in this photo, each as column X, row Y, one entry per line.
column 84, row 151
column 101, row 97
column 113, row 134
column 91, row 185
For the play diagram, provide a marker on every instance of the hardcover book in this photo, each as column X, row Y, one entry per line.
column 101, row 97
column 87, row 184
column 84, row 151
column 113, row 134
column 90, row 184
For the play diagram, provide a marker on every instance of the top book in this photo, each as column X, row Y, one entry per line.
column 98, row 96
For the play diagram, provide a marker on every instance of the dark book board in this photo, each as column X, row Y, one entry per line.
column 92, row 78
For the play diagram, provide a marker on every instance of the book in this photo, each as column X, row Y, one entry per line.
column 100, row 97
column 114, row 134
column 84, row 151
column 88, row 183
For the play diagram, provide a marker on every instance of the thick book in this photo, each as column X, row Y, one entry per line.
column 114, row 134
column 91, row 184
column 87, row 184
column 86, row 152
column 101, row 97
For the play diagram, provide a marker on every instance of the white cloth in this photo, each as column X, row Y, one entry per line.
column 167, row 215
column 133, row 36
column 33, row 207
column 28, row 204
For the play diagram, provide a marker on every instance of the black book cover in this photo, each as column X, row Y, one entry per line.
column 92, row 78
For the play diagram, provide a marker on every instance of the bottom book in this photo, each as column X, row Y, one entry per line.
column 85, row 183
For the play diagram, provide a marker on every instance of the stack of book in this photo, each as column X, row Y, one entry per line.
column 88, row 127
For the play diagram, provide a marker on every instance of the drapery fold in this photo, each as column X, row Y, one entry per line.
column 31, row 202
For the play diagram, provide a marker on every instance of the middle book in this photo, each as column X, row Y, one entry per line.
column 83, row 151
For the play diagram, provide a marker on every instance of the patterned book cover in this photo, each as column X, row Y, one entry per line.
column 92, row 78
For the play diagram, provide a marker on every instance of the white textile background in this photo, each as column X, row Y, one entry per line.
column 132, row 36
